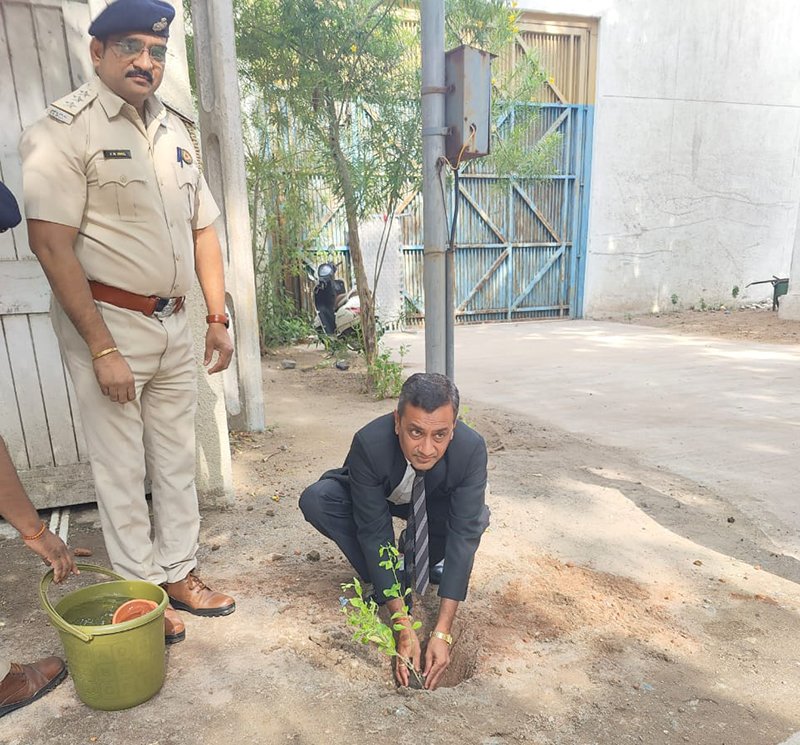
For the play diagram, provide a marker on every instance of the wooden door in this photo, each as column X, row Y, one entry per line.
column 43, row 57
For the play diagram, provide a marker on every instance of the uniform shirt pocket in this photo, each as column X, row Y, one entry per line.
column 188, row 178
column 123, row 188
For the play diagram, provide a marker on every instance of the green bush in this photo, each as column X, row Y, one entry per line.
column 386, row 374
column 280, row 323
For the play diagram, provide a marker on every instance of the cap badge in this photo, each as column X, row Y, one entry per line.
column 160, row 25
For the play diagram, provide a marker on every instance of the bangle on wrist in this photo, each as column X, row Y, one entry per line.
column 36, row 536
column 441, row 635
column 222, row 318
column 104, row 352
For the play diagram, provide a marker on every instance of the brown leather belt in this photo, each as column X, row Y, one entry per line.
column 150, row 305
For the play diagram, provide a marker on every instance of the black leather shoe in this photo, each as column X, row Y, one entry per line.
column 436, row 572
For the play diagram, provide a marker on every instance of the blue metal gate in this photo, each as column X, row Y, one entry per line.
column 521, row 244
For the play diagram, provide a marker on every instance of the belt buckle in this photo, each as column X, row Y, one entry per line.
column 165, row 307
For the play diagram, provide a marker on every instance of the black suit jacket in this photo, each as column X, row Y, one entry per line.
column 454, row 489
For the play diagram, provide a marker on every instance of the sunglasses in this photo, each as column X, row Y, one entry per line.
column 130, row 49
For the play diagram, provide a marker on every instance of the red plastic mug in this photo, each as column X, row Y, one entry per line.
column 133, row 609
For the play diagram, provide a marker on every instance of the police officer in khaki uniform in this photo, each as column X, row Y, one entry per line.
column 21, row 685
column 121, row 218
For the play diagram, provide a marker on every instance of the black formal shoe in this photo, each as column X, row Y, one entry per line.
column 436, row 572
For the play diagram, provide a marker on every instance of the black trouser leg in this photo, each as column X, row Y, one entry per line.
column 328, row 507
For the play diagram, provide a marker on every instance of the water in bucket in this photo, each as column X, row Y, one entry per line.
column 96, row 612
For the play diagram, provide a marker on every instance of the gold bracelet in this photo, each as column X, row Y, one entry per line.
column 38, row 535
column 104, row 352
column 441, row 635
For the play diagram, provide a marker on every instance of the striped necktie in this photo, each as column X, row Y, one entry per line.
column 418, row 538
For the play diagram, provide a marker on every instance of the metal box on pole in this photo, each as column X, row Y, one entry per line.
column 468, row 77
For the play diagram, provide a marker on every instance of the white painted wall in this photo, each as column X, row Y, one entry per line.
column 695, row 181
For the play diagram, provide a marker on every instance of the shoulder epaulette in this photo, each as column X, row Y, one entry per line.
column 67, row 108
column 188, row 120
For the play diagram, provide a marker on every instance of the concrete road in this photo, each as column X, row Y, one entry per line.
column 725, row 414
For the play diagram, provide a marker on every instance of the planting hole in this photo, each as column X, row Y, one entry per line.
column 466, row 641
column 463, row 657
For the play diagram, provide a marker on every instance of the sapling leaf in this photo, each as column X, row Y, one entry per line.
column 362, row 615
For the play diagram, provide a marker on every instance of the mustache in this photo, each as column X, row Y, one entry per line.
column 137, row 73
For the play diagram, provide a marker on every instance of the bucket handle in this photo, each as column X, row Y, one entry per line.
column 55, row 617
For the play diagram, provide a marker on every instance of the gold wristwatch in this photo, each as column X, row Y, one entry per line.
column 442, row 635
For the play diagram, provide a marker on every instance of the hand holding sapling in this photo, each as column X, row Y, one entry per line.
column 362, row 614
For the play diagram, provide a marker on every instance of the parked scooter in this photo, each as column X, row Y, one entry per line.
column 338, row 311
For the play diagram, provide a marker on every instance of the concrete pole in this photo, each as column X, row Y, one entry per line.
column 789, row 307
column 433, row 213
column 223, row 153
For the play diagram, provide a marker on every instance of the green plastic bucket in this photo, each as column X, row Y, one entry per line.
column 114, row 666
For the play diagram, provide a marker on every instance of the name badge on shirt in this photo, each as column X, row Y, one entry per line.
column 117, row 154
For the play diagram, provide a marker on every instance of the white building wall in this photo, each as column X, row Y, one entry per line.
column 695, row 182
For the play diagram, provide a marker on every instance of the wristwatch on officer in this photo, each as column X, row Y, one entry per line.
column 222, row 318
column 441, row 635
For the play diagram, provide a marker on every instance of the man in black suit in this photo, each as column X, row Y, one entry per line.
column 391, row 457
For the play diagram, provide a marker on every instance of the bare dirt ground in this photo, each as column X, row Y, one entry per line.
column 611, row 602
column 754, row 323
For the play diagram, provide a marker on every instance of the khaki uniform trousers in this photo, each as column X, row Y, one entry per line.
column 153, row 435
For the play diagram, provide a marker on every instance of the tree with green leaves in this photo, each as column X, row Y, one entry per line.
column 342, row 76
column 339, row 73
column 280, row 180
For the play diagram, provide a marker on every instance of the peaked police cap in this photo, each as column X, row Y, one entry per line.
column 9, row 212
column 140, row 16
